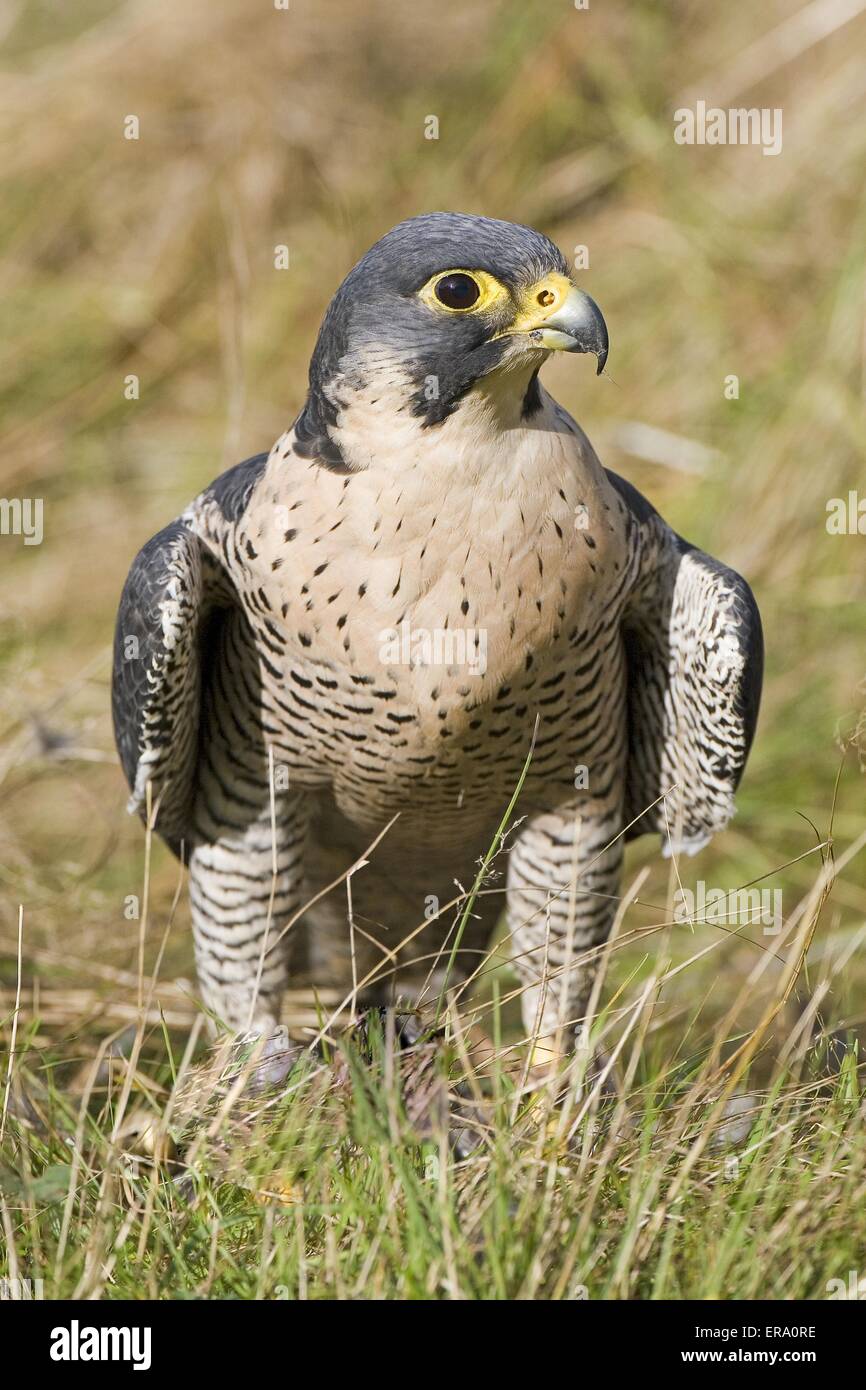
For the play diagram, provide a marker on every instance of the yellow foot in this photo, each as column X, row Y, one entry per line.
column 276, row 1190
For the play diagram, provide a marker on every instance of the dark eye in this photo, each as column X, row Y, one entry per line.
column 457, row 291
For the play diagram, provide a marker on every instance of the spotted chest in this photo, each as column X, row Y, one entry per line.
column 409, row 637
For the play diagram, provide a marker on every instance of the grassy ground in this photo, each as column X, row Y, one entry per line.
column 154, row 258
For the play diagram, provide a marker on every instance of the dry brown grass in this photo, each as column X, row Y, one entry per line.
column 155, row 257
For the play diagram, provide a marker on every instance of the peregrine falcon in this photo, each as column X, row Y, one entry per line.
column 366, row 629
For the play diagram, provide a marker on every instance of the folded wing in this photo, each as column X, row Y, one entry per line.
column 695, row 663
column 157, row 681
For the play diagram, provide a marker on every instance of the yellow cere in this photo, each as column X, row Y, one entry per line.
column 537, row 303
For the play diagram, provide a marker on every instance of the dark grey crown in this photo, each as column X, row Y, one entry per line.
column 377, row 305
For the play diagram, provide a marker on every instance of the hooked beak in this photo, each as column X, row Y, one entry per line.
column 576, row 325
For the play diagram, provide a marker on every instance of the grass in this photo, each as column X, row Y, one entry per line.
column 327, row 1190
column 155, row 258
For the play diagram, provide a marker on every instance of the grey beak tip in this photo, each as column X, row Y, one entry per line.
column 592, row 334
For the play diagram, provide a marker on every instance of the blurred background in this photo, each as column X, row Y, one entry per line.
column 306, row 128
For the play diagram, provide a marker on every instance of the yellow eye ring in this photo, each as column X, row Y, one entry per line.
column 450, row 291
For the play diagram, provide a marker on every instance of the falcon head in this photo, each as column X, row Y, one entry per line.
column 443, row 307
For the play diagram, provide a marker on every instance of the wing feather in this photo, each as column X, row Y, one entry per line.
column 695, row 664
column 157, row 680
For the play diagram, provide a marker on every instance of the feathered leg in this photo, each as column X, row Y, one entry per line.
column 240, row 904
column 246, row 865
column 563, row 881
